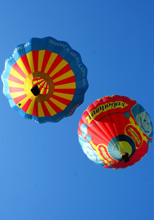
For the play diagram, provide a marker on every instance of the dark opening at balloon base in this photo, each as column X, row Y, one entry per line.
column 35, row 90
column 125, row 157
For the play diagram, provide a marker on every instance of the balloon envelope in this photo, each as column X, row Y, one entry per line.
column 45, row 79
column 115, row 132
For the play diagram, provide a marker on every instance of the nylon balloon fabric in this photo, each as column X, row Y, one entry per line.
column 45, row 79
column 115, row 132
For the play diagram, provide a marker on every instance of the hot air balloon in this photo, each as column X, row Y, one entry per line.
column 45, row 79
column 115, row 132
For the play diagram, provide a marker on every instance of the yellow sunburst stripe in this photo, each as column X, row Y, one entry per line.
column 30, row 108
column 46, row 85
column 59, row 104
column 40, row 84
column 66, row 86
column 50, row 109
column 30, row 61
column 17, row 75
column 37, row 80
column 17, row 94
column 40, row 110
column 22, row 66
column 59, row 67
column 50, row 61
column 40, row 59
column 42, row 90
column 14, row 84
column 63, row 95
column 23, row 102
column 64, row 76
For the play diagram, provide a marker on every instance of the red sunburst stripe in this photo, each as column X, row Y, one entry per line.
column 20, row 98
column 15, row 79
column 18, row 70
column 45, row 110
column 55, row 107
column 45, row 60
column 26, row 63
column 37, row 78
column 15, row 89
column 55, row 64
column 66, row 91
column 65, row 81
column 62, row 100
column 65, row 69
column 35, row 59
column 35, row 109
column 26, row 105
column 44, row 92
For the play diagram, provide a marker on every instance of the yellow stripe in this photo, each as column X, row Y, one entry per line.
column 40, row 110
column 37, row 80
column 40, row 84
column 50, row 61
column 14, row 84
column 17, row 75
column 40, row 59
column 30, row 108
column 59, row 67
column 30, row 61
column 17, row 94
column 50, row 109
column 46, row 85
column 59, row 104
column 66, row 86
column 22, row 66
column 42, row 90
column 63, row 95
column 64, row 76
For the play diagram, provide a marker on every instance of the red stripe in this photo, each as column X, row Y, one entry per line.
column 26, row 105
column 15, row 79
column 20, row 98
column 19, row 70
column 65, row 81
column 35, row 59
column 65, row 69
column 66, row 91
column 44, row 92
column 55, row 107
column 45, row 60
column 26, row 63
column 55, row 64
column 35, row 109
column 15, row 89
column 37, row 78
column 62, row 100
column 45, row 110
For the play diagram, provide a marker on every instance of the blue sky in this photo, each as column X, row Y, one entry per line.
column 44, row 174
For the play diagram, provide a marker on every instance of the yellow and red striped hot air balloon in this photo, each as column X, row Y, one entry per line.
column 45, row 79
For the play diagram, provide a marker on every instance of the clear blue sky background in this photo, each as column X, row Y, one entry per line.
column 44, row 175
